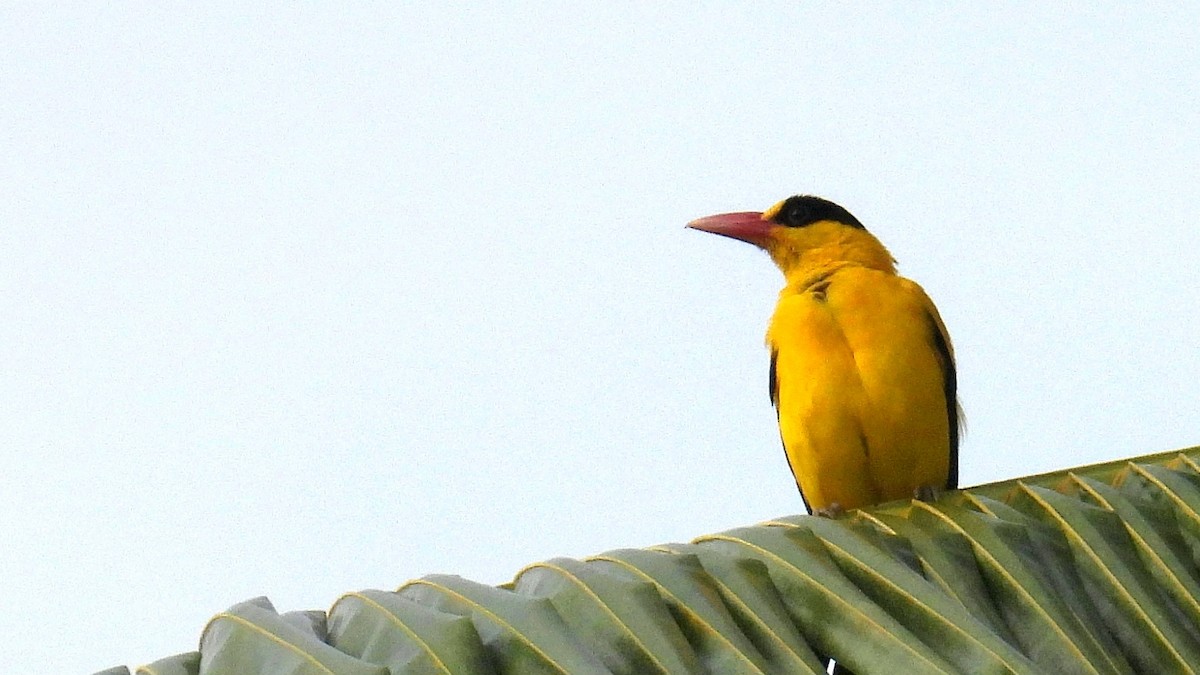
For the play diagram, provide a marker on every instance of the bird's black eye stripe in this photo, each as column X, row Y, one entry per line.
column 802, row 210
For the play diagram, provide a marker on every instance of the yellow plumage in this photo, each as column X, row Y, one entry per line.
column 862, row 371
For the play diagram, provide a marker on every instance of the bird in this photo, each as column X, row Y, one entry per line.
column 862, row 372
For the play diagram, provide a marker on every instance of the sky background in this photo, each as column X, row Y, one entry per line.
column 296, row 301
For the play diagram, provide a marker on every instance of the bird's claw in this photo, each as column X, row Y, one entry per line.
column 927, row 493
column 834, row 510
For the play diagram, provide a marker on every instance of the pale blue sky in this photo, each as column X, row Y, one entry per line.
column 299, row 301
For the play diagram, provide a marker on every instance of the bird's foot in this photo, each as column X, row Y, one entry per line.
column 834, row 510
column 927, row 493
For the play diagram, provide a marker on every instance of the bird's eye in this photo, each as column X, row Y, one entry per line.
column 797, row 214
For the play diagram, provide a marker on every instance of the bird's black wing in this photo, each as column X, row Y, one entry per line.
column 945, row 357
column 773, row 390
column 773, row 380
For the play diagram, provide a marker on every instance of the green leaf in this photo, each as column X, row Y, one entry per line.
column 625, row 622
column 1154, row 531
column 250, row 637
column 755, row 604
column 384, row 628
column 832, row 613
column 181, row 664
column 1135, row 612
column 522, row 634
column 1026, row 577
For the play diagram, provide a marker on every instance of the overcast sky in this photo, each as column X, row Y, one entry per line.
column 297, row 301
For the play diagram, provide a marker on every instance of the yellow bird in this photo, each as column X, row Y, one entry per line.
column 862, row 370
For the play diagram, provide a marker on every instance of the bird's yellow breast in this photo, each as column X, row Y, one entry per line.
column 859, row 387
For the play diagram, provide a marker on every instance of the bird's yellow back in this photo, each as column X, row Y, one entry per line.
column 862, row 370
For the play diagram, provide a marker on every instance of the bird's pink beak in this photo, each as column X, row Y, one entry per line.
column 747, row 226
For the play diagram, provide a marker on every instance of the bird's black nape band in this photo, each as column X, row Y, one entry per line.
column 802, row 210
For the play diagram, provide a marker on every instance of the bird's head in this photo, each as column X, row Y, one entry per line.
column 802, row 231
